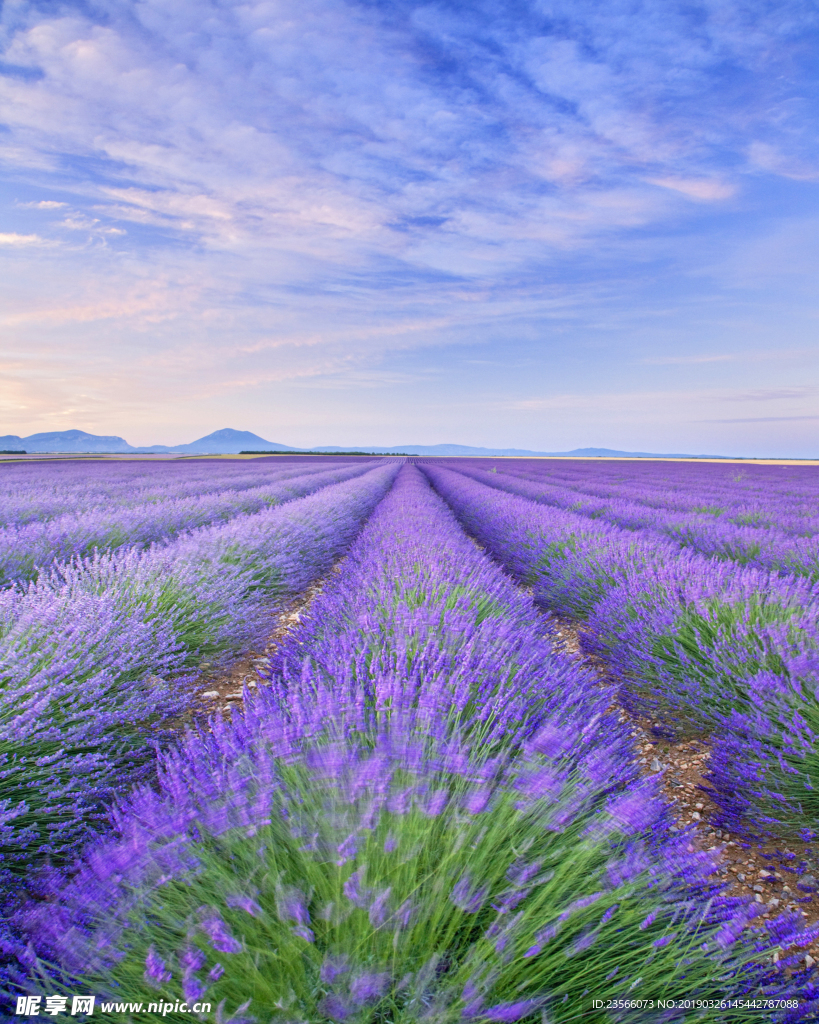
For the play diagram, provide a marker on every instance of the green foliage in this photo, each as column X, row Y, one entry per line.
column 721, row 646
column 327, row 885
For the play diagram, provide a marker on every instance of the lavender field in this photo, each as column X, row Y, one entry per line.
column 425, row 808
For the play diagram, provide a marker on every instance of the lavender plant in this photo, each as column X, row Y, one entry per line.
column 25, row 548
column 392, row 881
column 417, row 601
column 96, row 654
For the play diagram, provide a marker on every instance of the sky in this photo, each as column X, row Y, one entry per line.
column 542, row 225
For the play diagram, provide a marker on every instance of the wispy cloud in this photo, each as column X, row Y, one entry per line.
column 766, row 419
column 702, row 189
column 687, row 360
column 787, row 394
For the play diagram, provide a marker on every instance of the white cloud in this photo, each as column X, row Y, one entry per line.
column 12, row 239
column 43, row 204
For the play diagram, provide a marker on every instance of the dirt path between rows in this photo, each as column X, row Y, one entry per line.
column 221, row 689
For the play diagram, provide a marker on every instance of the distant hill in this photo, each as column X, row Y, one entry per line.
column 231, row 442
column 448, row 450
column 66, row 441
column 227, row 442
column 223, row 442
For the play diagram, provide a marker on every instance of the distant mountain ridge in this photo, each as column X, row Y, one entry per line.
column 231, row 442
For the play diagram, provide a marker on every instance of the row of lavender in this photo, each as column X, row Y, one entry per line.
column 773, row 538
column 426, row 814
column 782, row 496
column 36, row 492
column 97, row 653
column 148, row 513
column 703, row 644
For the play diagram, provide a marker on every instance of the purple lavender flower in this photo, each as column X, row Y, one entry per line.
column 216, row 972
column 369, row 986
column 353, row 890
column 334, row 1007
column 477, row 799
column 466, row 896
column 405, row 914
column 379, row 908
column 435, row 803
column 246, row 903
column 192, row 958
column 192, row 988
column 542, row 937
column 333, row 966
column 507, row 1013
column 292, row 906
column 155, row 969
column 219, row 934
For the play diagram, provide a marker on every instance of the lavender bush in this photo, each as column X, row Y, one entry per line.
column 757, row 533
column 418, row 602
column 35, row 492
column 390, row 882
column 25, row 548
column 96, row 653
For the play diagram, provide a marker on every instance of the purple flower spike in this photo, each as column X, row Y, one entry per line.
column 436, row 803
column 507, row 1013
column 334, row 1007
column 551, row 741
column 366, row 988
column 405, row 914
column 292, row 906
column 353, row 890
column 155, row 970
column 333, row 967
column 466, row 897
column 216, row 972
column 379, row 909
column 192, row 959
column 542, row 937
column 250, row 906
column 477, row 800
column 192, row 988
column 219, row 934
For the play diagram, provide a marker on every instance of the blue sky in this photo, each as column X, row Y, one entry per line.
column 531, row 224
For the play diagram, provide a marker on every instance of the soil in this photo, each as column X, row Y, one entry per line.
column 221, row 689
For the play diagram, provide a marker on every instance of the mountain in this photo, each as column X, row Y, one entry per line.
column 227, row 442
column 66, row 441
column 231, row 442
